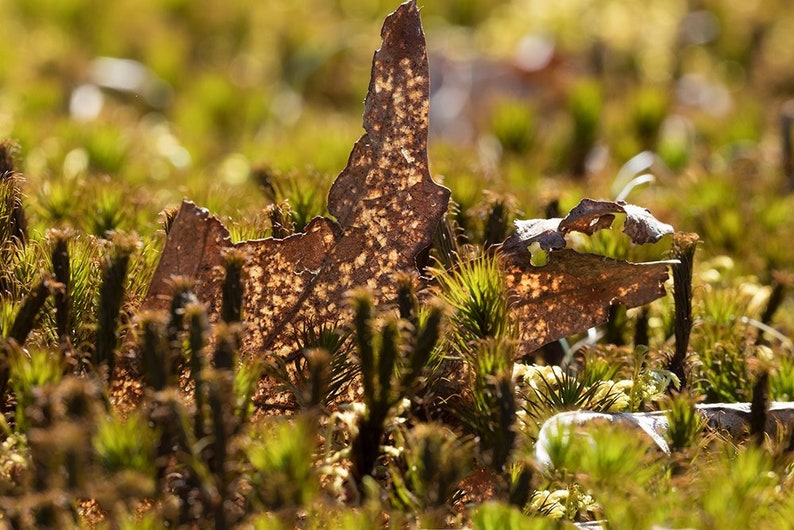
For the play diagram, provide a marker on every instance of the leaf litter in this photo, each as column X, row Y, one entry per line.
column 387, row 208
column 574, row 291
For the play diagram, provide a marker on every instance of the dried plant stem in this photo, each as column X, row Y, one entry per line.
column 182, row 291
column 111, row 297
column 225, row 347
column 232, row 289
column 641, row 336
column 781, row 283
column 787, row 146
column 17, row 226
column 61, row 268
column 382, row 389
column 154, row 350
column 683, row 250
column 758, row 408
column 220, row 399
column 198, row 330
column 26, row 318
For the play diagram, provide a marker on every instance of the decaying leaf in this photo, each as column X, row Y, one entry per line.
column 588, row 217
column 574, row 291
column 385, row 203
column 386, row 209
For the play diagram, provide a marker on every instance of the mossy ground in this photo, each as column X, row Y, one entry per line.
column 249, row 104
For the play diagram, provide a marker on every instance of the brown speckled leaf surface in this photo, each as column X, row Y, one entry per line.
column 386, row 209
column 193, row 249
column 572, row 291
column 385, row 203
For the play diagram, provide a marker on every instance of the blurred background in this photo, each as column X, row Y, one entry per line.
column 122, row 109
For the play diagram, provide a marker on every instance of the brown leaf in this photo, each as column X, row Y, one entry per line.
column 574, row 291
column 385, row 203
column 193, row 249
column 588, row 217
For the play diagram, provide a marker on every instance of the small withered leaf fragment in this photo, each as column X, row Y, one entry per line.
column 385, row 204
column 588, row 217
column 574, row 291
column 642, row 227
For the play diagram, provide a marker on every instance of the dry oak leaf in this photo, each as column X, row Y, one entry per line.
column 385, row 203
column 572, row 291
column 588, row 217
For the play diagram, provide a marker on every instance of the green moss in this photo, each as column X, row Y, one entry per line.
column 179, row 440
